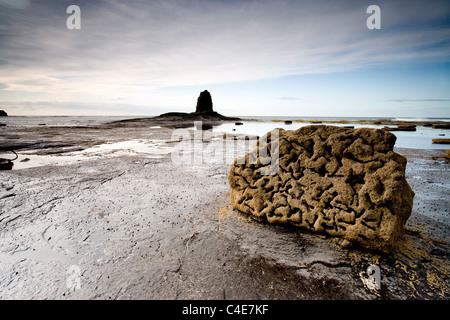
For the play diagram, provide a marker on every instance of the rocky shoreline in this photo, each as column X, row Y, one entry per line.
column 139, row 226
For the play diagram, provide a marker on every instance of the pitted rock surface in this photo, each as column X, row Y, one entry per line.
column 343, row 182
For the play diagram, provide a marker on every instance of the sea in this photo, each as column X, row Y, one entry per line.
column 259, row 125
column 422, row 138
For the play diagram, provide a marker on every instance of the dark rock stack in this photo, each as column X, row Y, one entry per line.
column 204, row 102
column 203, row 112
column 3, row 113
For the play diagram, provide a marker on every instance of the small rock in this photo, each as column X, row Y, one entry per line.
column 441, row 126
column 441, row 141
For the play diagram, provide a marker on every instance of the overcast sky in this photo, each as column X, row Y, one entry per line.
column 256, row 57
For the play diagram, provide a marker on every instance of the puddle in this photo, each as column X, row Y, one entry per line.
column 148, row 148
column 37, row 253
column 60, row 246
column 420, row 139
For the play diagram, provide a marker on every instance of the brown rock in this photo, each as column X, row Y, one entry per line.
column 441, row 141
column 402, row 128
column 441, row 126
column 343, row 182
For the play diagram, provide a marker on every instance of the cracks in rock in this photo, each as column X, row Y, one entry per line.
column 8, row 196
column 324, row 263
column 7, row 219
column 105, row 180
column 51, row 201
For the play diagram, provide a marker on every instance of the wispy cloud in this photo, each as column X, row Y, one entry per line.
column 290, row 98
column 16, row 4
column 129, row 48
column 78, row 108
column 418, row 100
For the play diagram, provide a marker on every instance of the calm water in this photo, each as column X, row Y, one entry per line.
column 421, row 139
column 71, row 121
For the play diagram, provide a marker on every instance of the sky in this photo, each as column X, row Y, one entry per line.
column 256, row 57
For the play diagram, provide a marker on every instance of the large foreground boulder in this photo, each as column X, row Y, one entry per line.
column 343, row 182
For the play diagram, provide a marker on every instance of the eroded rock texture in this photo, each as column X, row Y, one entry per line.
column 344, row 182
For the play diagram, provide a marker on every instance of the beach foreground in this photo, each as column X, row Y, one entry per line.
column 138, row 225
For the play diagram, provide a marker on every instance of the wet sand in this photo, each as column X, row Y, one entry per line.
column 137, row 225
